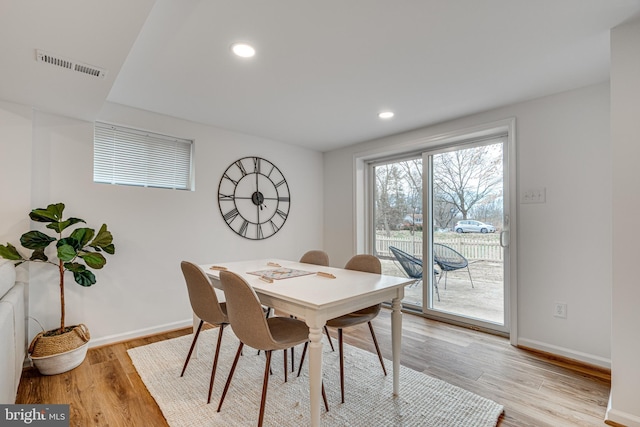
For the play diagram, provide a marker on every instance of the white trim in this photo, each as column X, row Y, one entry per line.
column 110, row 339
column 620, row 417
column 565, row 352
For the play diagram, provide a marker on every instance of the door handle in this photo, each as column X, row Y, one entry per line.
column 503, row 240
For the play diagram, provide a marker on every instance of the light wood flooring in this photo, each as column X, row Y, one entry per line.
column 535, row 390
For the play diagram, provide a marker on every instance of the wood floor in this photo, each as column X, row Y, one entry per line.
column 535, row 390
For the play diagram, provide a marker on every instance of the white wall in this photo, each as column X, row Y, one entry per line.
column 141, row 290
column 15, row 170
column 625, row 128
column 564, row 245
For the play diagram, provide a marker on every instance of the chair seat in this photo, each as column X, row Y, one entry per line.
column 356, row 318
column 287, row 332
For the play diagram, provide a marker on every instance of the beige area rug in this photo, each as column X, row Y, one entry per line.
column 423, row 400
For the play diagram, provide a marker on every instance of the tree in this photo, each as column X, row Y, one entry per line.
column 390, row 197
column 466, row 178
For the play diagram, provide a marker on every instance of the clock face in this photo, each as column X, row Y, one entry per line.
column 254, row 198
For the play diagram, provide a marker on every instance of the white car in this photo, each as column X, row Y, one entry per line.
column 473, row 226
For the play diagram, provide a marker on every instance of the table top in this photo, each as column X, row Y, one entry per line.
column 314, row 291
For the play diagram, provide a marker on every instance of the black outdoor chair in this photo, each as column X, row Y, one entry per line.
column 412, row 266
column 448, row 259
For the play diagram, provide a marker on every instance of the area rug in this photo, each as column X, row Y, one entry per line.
column 423, row 401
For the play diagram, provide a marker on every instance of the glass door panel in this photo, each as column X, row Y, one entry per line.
column 465, row 203
column 445, row 231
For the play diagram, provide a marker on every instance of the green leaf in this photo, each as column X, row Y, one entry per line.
column 103, row 240
column 85, row 278
column 66, row 252
column 93, row 259
column 38, row 255
column 69, row 241
column 35, row 240
column 83, row 236
column 74, row 267
column 59, row 226
column 53, row 213
column 81, row 275
column 10, row 252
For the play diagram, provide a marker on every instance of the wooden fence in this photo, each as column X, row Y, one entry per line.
column 488, row 249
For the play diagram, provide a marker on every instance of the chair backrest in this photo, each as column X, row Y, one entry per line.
column 410, row 264
column 368, row 264
column 202, row 296
column 448, row 258
column 364, row 262
column 316, row 257
column 245, row 312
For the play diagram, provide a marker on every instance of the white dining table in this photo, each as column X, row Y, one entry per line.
column 316, row 299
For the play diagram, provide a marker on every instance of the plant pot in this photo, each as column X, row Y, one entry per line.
column 56, row 354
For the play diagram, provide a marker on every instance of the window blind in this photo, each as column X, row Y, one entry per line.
column 128, row 156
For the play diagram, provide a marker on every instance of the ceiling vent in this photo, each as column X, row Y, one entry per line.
column 42, row 56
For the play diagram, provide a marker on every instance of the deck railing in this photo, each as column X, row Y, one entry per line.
column 488, row 249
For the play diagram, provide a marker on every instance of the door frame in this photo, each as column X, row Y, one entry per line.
column 363, row 195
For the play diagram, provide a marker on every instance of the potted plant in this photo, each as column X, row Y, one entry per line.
column 62, row 349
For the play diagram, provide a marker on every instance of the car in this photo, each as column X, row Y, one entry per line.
column 473, row 226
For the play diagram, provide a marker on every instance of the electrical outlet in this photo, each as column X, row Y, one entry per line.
column 560, row 310
column 534, row 195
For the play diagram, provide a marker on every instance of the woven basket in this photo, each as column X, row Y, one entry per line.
column 43, row 346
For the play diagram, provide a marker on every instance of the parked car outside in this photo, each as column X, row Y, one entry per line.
column 473, row 226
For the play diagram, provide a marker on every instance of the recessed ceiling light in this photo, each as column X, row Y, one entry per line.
column 386, row 114
column 243, row 50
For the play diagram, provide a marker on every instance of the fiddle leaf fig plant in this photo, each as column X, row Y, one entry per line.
column 77, row 253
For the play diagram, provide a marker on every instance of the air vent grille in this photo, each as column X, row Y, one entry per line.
column 42, row 56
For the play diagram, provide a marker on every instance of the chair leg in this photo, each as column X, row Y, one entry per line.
column 375, row 342
column 193, row 344
column 326, row 331
column 215, row 362
column 286, row 365
column 341, row 350
column 293, row 360
column 469, row 271
column 304, row 352
column 233, row 369
column 324, row 398
column 264, row 386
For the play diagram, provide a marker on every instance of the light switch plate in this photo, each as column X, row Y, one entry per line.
column 534, row 195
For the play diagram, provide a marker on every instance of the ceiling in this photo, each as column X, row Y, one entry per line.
column 323, row 70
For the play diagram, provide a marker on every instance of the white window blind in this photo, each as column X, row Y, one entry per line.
column 127, row 156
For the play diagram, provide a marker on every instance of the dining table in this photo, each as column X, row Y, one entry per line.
column 316, row 294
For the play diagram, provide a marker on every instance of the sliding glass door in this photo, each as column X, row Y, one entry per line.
column 440, row 216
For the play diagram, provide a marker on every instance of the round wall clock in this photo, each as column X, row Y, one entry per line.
column 254, row 198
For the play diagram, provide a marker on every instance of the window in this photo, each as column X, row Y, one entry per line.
column 127, row 156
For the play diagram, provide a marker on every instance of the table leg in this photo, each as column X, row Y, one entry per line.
column 315, row 373
column 396, row 342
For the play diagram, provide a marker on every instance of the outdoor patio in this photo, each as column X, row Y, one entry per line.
column 484, row 301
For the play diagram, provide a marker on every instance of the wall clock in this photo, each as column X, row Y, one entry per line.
column 254, row 198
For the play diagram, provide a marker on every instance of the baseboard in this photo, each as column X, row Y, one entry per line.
column 617, row 418
column 566, row 353
column 126, row 336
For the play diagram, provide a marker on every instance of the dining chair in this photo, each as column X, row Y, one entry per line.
column 368, row 264
column 255, row 330
column 316, row 257
column 205, row 305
